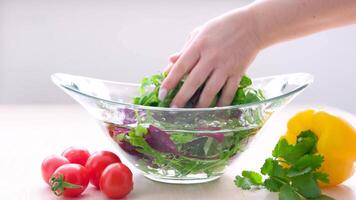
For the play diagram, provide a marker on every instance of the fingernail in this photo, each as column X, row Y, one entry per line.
column 162, row 93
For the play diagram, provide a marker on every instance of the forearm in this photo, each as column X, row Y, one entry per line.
column 281, row 20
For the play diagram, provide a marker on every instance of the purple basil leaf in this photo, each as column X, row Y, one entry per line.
column 236, row 113
column 115, row 130
column 129, row 116
column 160, row 140
column 119, row 130
column 150, row 161
column 128, row 148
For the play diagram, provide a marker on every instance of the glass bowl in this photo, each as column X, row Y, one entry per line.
column 179, row 145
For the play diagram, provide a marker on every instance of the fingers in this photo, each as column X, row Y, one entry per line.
column 183, row 65
column 229, row 90
column 174, row 57
column 211, row 89
column 190, row 39
column 195, row 79
column 168, row 68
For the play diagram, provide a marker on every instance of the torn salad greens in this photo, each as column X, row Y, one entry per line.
column 150, row 87
column 179, row 154
column 202, row 150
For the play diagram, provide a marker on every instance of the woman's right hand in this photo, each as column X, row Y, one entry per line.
column 217, row 54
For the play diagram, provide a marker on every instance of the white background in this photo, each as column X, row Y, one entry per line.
column 125, row 40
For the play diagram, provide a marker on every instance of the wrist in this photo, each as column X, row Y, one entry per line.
column 243, row 22
column 262, row 26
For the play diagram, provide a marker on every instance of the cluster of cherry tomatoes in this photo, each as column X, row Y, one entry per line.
column 70, row 173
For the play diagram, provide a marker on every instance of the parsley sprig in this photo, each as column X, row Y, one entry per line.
column 292, row 170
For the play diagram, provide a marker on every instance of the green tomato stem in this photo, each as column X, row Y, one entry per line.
column 58, row 185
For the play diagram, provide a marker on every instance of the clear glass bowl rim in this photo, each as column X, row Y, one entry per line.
column 309, row 80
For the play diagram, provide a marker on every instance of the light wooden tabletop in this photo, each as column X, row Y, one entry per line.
column 29, row 133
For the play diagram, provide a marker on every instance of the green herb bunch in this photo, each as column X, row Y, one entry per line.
column 292, row 170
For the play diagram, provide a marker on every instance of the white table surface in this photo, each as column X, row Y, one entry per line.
column 29, row 133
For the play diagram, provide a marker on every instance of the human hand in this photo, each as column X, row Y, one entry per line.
column 217, row 54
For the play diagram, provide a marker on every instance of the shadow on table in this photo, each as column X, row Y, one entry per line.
column 91, row 193
column 341, row 192
column 147, row 189
column 222, row 188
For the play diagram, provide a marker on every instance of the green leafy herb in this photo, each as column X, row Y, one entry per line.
column 305, row 164
column 273, row 185
column 321, row 176
column 248, row 179
column 287, row 193
column 292, row 171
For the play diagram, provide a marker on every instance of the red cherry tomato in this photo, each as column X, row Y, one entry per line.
column 76, row 155
column 50, row 164
column 69, row 180
column 116, row 181
column 97, row 162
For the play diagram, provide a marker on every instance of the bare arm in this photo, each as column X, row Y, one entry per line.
column 219, row 52
column 279, row 20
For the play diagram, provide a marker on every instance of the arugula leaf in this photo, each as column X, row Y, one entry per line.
column 181, row 138
column 195, row 147
column 149, row 96
column 246, row 94
column 245, row 82
column 140, row 131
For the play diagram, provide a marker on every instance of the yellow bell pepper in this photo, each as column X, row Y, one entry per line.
column 336, row 142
